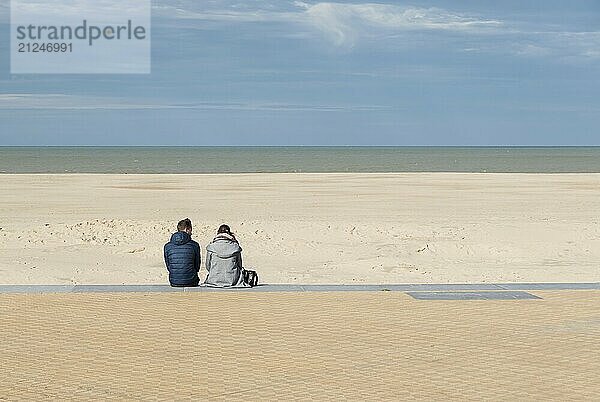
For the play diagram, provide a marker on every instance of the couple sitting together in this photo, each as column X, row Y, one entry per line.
column 223, row 259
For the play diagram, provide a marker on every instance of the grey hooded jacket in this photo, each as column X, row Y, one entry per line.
column 224, row 262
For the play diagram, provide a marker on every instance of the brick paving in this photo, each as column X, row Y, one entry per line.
column 308, row 345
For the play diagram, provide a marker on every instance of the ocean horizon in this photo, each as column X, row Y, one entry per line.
column 298, row 159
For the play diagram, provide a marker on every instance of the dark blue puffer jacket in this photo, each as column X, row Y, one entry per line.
column 182, row 257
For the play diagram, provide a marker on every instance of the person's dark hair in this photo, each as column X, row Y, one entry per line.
column 224, row 229
column 184, row 224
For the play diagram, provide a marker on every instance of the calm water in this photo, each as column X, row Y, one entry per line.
column 297, row 159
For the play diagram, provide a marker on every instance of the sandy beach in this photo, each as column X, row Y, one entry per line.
column 306, row 228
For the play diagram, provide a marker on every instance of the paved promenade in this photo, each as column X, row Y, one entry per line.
column 265, row 345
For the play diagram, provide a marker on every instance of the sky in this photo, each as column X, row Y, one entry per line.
column 279, row 72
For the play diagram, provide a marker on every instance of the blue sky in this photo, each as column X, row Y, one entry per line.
column 330, row 73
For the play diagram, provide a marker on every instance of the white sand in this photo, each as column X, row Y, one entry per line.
column 306, row 228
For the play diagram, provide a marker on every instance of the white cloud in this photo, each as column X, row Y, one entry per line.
column 577, row 44
column 347, row 25
column 78, row 9
column 558, row 45
column 529, row 49
column 341, row 23
column 75, row 102
column 344, row 23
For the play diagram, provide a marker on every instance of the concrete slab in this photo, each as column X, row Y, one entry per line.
column 443, row 287
column 489, row 295
column 209, row 289
column 549, row 286
column 341, row 288
column 278, row 288
column 124, row 289
column 36, row 288
column 396, row 288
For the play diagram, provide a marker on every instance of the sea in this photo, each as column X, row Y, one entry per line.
column 298, row 159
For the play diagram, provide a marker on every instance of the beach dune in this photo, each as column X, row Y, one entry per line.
column 306, row 228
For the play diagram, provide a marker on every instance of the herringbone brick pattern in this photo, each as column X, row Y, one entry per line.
column 267, row 346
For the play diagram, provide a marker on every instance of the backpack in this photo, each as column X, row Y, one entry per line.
column 250, row 278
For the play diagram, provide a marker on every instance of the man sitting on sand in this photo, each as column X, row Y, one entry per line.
column 224, row 260
column 182, row 256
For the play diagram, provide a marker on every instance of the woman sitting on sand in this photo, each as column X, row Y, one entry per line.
column 224, row 260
